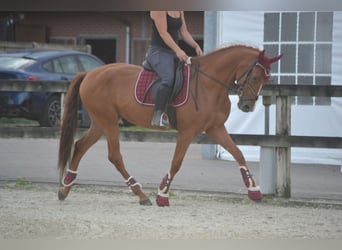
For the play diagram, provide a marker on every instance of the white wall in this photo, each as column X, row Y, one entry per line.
column 247, row 28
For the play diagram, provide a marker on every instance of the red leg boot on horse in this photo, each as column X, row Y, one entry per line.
column 224, row 139
column 254, row 192
column 163, row 192
column 67, row 178
column 136, row 188
column 67, row 181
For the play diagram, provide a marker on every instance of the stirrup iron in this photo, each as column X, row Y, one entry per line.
column 160, row 119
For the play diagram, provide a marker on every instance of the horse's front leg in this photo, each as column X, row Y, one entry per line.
column 221, row 136
column 182, row 145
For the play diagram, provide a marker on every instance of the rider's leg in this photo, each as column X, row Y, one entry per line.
column 159, row 116
column 163, row 62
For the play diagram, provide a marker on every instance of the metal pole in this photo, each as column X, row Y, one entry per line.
column 267, row 174
column 210, row 42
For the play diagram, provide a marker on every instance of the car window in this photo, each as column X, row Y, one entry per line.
column 57, row 66
column 53, row 66
column 14, row 62
column 88, row 62
column 69, row 64
column 48, row 66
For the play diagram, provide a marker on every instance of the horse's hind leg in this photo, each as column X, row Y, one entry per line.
column 221, row 136
column 115, row 157
column 81, row 146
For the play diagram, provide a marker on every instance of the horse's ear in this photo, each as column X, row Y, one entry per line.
column 264, row 60
column 276, row 58
column 261, row 55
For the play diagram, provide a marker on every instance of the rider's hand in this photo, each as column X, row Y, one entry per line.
column 182, row 56
column 198, row 50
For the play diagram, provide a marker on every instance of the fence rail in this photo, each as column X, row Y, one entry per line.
column 268, row 90
column 171, row 136
column 279, row 183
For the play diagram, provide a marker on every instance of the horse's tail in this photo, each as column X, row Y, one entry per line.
column 69, row 121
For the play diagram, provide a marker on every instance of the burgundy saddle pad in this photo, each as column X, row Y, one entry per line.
column 143, row 88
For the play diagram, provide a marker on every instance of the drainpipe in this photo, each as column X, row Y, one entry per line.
column 128, row 43
column 127, row 24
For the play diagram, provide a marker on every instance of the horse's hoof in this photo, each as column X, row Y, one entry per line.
column 61, row 195
column 162, row 201
column 145, row 202
column 255, row 195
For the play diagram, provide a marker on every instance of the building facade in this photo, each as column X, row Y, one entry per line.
column 113, row 36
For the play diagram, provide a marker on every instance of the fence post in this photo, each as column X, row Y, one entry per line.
column 283, row 154
column 267, row 174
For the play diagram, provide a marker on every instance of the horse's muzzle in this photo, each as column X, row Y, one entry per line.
column 246, row 106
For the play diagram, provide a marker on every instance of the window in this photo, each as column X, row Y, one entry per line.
column 305, row 39
column 69, row 64
column 88, row 63
column 53, row 66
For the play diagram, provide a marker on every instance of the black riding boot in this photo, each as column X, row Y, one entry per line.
column 160, row 118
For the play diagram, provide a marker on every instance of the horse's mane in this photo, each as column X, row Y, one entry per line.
column 230, row 46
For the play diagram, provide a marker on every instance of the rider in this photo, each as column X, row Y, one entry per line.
column 162, row 52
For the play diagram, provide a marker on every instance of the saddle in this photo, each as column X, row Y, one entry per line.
column 148, row 82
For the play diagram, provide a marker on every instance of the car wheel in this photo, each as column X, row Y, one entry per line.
column 51, row 115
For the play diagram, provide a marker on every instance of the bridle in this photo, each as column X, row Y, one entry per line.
column 247, row 73
column 235, row 87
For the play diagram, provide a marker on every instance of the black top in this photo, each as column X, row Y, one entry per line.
column 173, row 26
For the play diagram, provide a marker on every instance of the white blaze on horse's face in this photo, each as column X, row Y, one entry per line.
column 252, row 81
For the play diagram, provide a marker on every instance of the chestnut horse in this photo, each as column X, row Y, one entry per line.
column 107, row 93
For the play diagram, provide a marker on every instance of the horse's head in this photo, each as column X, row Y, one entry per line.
column 252, row 79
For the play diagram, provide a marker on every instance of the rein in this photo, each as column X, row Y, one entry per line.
column 223, row 84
